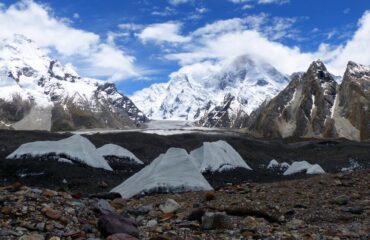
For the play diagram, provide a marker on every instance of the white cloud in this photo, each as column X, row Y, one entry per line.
column 167, row 11
column 177, row 2
column 224, row 40
column 221, row 26
column 280, row 2
column 163, row 32
column 248, row 4
column 356, row 49
column 37, row 22
column 230, row 45
column 108, row 60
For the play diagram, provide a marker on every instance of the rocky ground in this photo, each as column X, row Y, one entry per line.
column 331, row 206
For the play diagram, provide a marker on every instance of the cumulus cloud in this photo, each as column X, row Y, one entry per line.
column 248, row 4
column 224, row 40
column 163, row 32
column 36, row 21
column 250, row 42
column 356, row 49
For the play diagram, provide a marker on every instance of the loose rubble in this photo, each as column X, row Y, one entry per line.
column 320, row 207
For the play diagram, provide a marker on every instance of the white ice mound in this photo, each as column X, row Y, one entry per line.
column 112, row 150
column 273, row 164
column 297, row 167
column 276, row 165
column 76, row 148
column 173, row 171
column 217, row 156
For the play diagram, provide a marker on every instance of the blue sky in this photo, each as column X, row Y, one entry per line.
column 149, row 40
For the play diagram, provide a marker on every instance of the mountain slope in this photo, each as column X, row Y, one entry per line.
column 314, row 105
column 353, row 104
column 38, row 92
column 193, row 93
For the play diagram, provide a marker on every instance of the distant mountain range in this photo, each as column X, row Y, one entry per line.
column 254, row 95
column 37, row 92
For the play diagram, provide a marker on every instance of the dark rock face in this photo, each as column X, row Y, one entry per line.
column 15, row 110
column 122, row 105
column 354, row 98
column 314, row 105
column 302, row 109
column 219, row 116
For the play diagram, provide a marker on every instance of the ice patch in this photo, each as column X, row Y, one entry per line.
column 297, row 167
column 273, row 164
column 173, row 171
column 353, row 165
column 276, row 165
column 217, row 156
column 112, row 150
column 65, row 160
column 75, row 148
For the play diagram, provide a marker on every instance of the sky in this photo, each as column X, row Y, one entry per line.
column 138, row 43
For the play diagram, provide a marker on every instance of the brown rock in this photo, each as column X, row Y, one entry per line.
column 49, row 193
column 51, row 213
column 209, row 196
column 75, row 234
column 118, row 203
column 6, row 210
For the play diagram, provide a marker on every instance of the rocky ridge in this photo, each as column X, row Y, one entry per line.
column 314, row 105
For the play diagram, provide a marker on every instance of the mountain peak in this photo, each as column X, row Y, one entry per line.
column 358, row 69
column 317, row 65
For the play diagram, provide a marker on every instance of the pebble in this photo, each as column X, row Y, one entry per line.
column 152, row 223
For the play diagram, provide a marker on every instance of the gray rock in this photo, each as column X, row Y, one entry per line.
column 341, row 200
column 152, row 223
column 217, row 220
column 112, row 224
column 104, row 207
column 170, row 206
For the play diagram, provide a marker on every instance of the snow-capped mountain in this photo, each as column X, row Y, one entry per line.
column 314, row 105
column 37, row 92
column 191, row 94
